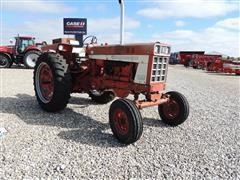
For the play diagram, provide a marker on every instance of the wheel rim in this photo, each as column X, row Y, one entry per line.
column 3, row 62
column 44, row 82
column 171, row 109
column 96, row 93
column 31, row 59
column 121, row 121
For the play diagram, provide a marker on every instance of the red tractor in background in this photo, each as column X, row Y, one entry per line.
column 107, row 71
column 25, row 51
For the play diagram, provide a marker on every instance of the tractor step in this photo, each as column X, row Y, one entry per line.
column 19, row 59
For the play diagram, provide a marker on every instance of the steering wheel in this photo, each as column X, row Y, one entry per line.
column 93, row 40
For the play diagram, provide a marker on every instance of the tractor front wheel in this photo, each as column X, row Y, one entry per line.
column 101, row 97
column 52, row 82
column 125, row 121
column 30, row 59
column 5, row 62
column 176, row 110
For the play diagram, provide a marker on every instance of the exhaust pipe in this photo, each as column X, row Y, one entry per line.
column 121, row 2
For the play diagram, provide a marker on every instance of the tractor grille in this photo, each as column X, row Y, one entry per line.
column 159, row 69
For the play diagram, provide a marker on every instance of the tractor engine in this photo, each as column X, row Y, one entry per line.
column 129, row 69
column 118, row 70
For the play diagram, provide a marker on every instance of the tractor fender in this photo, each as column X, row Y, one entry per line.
column 7, row 55
column 32, row 48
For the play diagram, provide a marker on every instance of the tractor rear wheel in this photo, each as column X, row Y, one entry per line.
column 52, row 82
column 176, row 110
column 5, row 62
column 30, row 59
column 101, row 97
column 125, row 121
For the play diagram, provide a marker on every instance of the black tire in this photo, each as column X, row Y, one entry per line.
column 209, row 66
column 5, row 61
column 130, row 117
column 191, row 63
column 58, row 82
column 175, row 111
column 199, row 66
column 102, row 98
column 30, row 58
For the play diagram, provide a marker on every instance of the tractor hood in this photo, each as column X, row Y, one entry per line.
column 7, row 49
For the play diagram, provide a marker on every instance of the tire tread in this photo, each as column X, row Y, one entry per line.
column 62, row 83
column 137, row 129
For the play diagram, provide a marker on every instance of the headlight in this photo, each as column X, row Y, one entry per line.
column 165, row 50
column 60, row 47
column 157, row 49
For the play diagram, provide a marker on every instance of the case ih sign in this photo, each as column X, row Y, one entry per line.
column 75, row 26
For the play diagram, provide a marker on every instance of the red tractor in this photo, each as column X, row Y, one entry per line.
column 106, row 72
column 25, row 51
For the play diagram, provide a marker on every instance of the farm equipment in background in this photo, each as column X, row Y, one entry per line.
column 107, row 71
column 224, row 66
column 25, row 51
column 200, row 61
column 214, row 63
column 174, row 58
column 185, row 57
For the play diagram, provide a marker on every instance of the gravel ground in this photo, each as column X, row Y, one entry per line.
column 77, row 143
